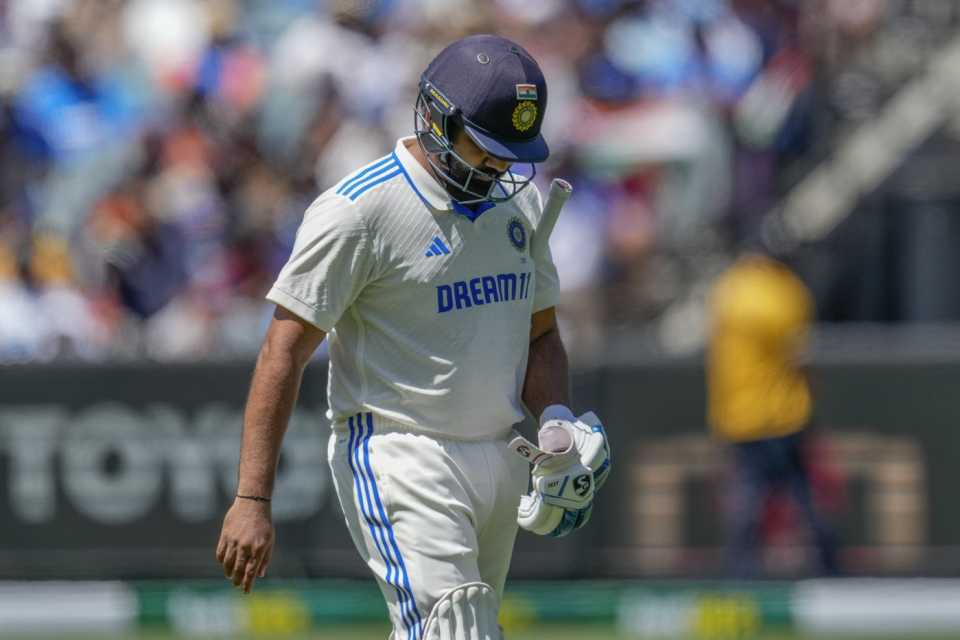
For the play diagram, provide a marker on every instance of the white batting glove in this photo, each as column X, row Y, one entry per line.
column 565, row 480
column 548, row 520
column 589, row 438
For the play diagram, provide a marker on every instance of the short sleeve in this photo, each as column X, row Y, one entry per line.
column 329, row 266
column 547, row 283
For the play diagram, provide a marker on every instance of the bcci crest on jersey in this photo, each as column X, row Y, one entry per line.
column 517, row 234
column 476, row 292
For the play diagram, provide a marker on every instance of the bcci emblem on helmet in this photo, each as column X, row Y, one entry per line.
column 517, row 234
column 524, row 115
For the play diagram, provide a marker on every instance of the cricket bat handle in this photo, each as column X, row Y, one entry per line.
column 560, row 191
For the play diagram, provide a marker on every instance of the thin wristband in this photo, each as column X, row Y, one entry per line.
column 254, row 498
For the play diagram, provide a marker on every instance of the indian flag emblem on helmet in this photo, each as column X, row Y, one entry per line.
column 524, row 115
column 526, row 92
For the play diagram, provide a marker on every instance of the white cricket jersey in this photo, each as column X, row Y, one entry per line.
column 428, row 312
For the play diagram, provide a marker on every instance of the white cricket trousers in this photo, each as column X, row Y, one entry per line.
column 426, row 514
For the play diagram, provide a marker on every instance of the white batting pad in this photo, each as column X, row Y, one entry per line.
column 467, row 612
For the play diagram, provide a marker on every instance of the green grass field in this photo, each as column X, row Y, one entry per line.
column 572, row 610
column 550, row 632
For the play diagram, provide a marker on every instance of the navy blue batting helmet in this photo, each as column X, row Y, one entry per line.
column 494, row 91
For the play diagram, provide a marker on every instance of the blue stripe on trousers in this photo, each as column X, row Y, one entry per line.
column 406, row 599
column 418, row 624
column 366, row 508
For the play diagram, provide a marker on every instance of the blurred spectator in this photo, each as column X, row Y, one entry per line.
column 43, row 315
column 173, row 145
column 760, row 401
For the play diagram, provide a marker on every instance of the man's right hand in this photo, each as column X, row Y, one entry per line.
column 246, row 542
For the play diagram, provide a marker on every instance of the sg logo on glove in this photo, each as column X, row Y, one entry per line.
column 565, row 482
column 581, row 485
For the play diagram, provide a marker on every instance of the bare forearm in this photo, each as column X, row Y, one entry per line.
column 548, row 378
column 273, row 395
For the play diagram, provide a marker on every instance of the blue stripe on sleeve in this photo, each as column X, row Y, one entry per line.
column 388, row 166
column 381, row 179
column 369, row 168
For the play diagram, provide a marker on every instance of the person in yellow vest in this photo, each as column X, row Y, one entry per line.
column 759, row 399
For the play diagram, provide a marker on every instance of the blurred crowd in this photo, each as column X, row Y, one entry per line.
column 156, row 156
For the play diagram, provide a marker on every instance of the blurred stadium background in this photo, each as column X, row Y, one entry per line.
column 156, row 157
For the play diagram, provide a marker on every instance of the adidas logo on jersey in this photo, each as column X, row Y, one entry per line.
column 437, row 248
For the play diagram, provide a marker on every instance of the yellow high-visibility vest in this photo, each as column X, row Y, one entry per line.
column 760, row 319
